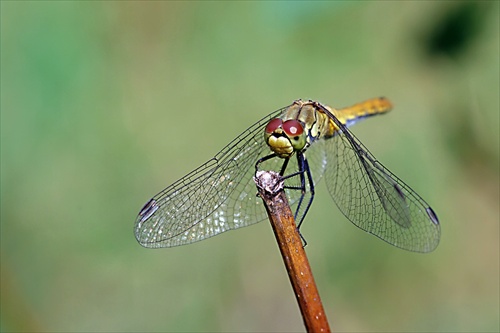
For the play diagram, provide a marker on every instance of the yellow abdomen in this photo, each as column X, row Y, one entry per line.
column 352, row 114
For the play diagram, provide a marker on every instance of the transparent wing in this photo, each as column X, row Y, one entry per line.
column 373, row 198
column 218, row 196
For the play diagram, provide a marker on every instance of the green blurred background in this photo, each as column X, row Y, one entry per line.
column 103, row 104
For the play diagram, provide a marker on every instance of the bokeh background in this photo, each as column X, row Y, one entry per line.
column 103, row 104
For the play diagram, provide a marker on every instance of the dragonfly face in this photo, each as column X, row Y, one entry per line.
column 285, row 137
column 220, row 195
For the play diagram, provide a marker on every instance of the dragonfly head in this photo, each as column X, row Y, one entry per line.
column 285, row 137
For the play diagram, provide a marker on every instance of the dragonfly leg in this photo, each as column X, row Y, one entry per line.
column 304, row 242
column 302, row 188
column 265, row 158
column 304, row 168
column 311, row 188
column 304, row 171
column 283, row 167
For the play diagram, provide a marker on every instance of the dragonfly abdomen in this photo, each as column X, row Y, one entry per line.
column 352, row 114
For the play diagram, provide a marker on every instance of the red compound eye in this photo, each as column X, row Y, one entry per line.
column 293, row 127
column 273, row 125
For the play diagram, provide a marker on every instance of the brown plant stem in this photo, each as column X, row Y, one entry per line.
column 270, row 187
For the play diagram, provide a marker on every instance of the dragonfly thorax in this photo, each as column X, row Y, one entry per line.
column 284, row 138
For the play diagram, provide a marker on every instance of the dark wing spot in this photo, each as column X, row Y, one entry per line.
column 399, row 190
column 432, row 215
column 149, row 208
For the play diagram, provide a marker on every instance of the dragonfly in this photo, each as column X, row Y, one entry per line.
column 304, row 141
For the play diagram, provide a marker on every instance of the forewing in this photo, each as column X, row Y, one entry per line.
column 218, row 196
column 374, row 199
